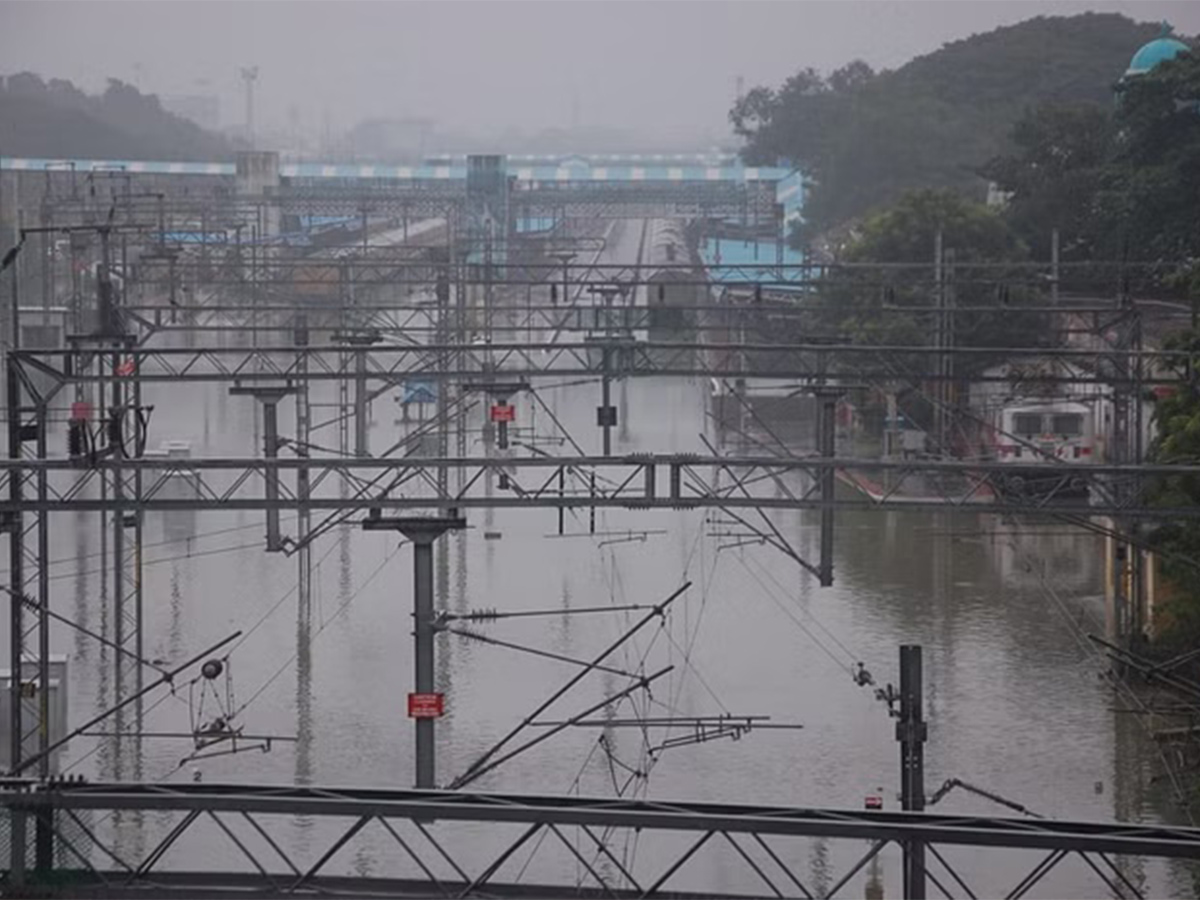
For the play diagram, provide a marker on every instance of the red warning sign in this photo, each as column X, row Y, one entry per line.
column 426, row 706
column 126, row 367
column 873, row 801
column 502, row 412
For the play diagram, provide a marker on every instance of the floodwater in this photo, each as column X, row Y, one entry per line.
column 1014, row 700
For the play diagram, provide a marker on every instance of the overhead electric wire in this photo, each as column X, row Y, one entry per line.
column 163, row 543
column 336, row 614
column 1122, row 688
column 787, row 612
column 1070, row 518
column 1088, row 648
column 833, row 637
column 199, row 554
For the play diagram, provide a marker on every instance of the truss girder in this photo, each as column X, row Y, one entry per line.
column 678, row 832
column 641, row 482
column 806, row 363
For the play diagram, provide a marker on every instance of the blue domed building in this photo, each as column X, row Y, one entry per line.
column 1159, row 50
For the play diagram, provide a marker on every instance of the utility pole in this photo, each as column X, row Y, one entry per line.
column 606, row 413
column 269, row 397
column 944, row 390
column 16, row 560
column 1124, row 614
column 425, row 704
column 565, row 258
column 1054, row 266
column 911, row 732
column 303, row 481
column 249, row 76
column 358, row 340
column 827, row 398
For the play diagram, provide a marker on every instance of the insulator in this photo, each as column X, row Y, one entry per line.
column 758, row 293
column 662, row 293
column 553, row 293
column 114, row 428
column 75, row 438
column 212, row 669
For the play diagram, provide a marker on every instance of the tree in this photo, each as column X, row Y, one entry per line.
column 1178, row 542
column 56, row 119
column 1156, row 164
column 800, row 121
column 26, row 83
column 1054, row 176
column 885, row 293
column 907, row 231
column 869, row 303
column 864, row 138
column 1120, row 185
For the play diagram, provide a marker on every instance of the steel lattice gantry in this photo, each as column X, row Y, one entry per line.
column 628, row 358
column 637, row 482
column 430, row 842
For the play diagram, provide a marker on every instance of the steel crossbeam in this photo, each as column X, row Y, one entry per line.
column 800, row 362
column 269, row 808
column 414, row 259
column 693, row 482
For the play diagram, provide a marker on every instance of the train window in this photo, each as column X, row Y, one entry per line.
column 1027, row 423
column 1068, row 424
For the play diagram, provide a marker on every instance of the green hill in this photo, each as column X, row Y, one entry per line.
column 56, row 119
column 865, row 137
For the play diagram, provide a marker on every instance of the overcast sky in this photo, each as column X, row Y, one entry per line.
column 664, row 68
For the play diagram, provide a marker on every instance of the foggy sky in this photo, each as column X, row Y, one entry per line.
column 666, row 69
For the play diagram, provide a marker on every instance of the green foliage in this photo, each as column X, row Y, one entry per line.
column 1156, row 163
column 1120, row 184
column 1055, row 176
column 907, row 231
column 55, row 119
column 865, row 137
column 1178, row 420
column 906, row 234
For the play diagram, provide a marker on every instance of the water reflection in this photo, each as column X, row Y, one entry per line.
column 1002, row 658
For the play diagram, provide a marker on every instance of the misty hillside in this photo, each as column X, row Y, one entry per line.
column 56, row 119
column 867, row 136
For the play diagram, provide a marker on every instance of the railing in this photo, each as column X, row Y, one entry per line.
column 232, row 838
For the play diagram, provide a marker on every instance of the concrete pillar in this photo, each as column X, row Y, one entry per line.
column 257, row 176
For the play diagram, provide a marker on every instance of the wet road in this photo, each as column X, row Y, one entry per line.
column 1014, row 703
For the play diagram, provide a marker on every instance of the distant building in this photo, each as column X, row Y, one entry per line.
column 997, row 198
column 391, row 140
column 1159, row 50
column 203, row 109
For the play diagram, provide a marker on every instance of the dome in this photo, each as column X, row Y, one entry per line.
column 1159, row 50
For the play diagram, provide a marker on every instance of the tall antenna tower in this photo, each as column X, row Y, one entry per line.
column 249, row 76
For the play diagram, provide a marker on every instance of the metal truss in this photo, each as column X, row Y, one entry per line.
column 230, row 838
column 806, row 363
column 767, row 274
column 407, row 263
column 28, row 543
column 638, row 482
column 412, row 322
